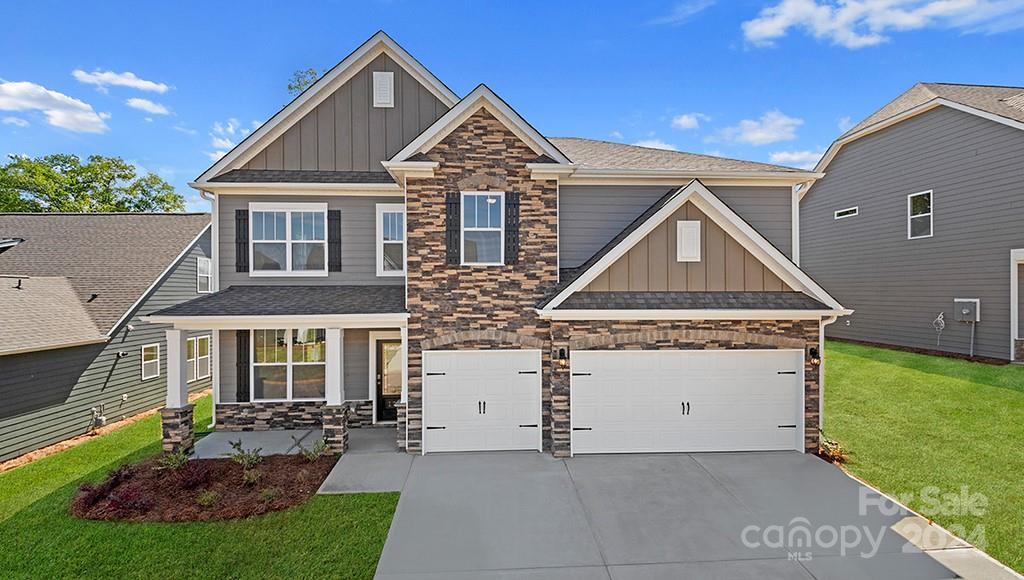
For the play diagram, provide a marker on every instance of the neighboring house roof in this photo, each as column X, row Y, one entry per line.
column 593, row 154
column 111, row 260
column 293, row 301
column 41, row 313
column 301, row 176
column 690, row 301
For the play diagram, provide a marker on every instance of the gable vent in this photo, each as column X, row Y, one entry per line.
column 383, row 89
column 1016, row 101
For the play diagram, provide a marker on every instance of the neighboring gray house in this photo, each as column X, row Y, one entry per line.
column 73, row 350
column 921, row 213
column 390, row 253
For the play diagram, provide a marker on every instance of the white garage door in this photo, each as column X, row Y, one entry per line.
column 481, row 400
column 680, row 401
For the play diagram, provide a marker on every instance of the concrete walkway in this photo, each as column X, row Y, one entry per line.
column 372, row 464
column 217, row 445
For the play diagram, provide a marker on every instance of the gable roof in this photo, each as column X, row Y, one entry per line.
column 319, row 91
column 118, row 257
column 481, row 97
column 43, row 313
column 717, row 211
column 594, row 154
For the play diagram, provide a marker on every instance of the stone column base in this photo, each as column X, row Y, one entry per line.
column 401, row 423
column 177, row 429
column 336, row 428
column 1018, row 350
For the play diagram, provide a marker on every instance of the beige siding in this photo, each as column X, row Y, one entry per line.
column 651, row 264
column 347, row 133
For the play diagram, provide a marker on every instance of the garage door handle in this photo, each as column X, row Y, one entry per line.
column 527, row 372
column 581, row 374
column 479, row 408
column 582, row 428
column 534, row 426
column 429, row 428
column 435, row 374
column 787, row 426
column 787, row 372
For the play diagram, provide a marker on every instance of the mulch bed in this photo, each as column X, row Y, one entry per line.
column 202, row 490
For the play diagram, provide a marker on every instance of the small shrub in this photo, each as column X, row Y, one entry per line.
column 318, row 450
column 247, row 458
column 129, row 500
column 89, row 494
column 193, row 475
column 269, row 494
column 250, row 476
column 207, row 498
column 832, row 451
column 171, row 461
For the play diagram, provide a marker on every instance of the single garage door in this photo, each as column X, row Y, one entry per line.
column 481, row 400
column 681, row 401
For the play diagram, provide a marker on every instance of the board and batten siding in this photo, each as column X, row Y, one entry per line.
column 897, row 286
column 48, row 395
column 652, row 264
column 347, row 133
column 358, row 240
column 590, row 215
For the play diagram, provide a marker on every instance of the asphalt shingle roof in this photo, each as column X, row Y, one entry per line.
column 42, row 313
column 593, row 154
column 302, row 176
column 690, row 301
column 117, row 257
column 1003, row 101
column 293, row 301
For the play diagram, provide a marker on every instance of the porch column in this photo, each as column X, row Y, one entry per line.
column 402, row 420
column 335, row 415
column 176, row 416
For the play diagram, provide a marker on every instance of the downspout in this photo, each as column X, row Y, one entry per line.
column 215, row 272
column 821, row 369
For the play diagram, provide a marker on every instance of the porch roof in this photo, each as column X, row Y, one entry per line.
column 292, row 301
column 690, row 301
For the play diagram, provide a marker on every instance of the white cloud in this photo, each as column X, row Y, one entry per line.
column 102, row 79
column 60, row 110
column 801, row 159
column 861, row 23
column 656, row 144
column 147, row 106
column 682, row 12
column 845, row 124
column 772, row 127
column 185, row 130
column 688, row 121
column 615, row 135
column 16, row 121
column 223, row 137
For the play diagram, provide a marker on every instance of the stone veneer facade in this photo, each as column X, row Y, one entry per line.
column 177, row 429
column 262, row 416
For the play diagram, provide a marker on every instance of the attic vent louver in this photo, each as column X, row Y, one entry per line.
column 383, row 89
column 1016, row 101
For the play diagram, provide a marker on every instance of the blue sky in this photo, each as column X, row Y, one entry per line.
column 168, row 85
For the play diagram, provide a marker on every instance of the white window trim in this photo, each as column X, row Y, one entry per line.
column 193, row 351
column 681, row 255
column 142, row 365
column 391, row 80
column 855, row 212
column 289, row 208
column 930, row 214
column 463, row 229
column 383, row 208
column 209, row 277
column 288, row 369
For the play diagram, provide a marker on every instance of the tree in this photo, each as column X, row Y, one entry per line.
column 62, row 183
column 301, row 79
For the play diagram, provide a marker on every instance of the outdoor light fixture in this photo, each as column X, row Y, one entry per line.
column 815, row 356
column 563, row 360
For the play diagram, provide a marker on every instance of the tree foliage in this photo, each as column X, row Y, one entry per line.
column 301, row 79
column 62, row 183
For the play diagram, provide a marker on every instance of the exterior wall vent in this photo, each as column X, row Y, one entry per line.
column 383, row 89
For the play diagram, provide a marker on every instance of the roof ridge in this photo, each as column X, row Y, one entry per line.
column 975, row 85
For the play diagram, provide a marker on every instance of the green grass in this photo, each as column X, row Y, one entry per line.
column 911, row 421
column 327, row 537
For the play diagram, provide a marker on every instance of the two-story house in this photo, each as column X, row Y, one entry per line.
column 391, row 253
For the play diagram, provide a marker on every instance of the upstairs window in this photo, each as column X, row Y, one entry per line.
column 483, row 229
column 204, row 275
column 390, row 239
column 288, row 239
column 919, row 215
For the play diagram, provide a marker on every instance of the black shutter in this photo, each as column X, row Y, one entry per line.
column 241, row 240
column 451, row 228
column 242, row 366
column 512, row 227
column 334, row 240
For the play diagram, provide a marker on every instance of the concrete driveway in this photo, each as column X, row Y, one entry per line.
column 712, row 515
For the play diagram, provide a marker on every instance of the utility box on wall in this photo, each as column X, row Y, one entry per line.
column 967, row 309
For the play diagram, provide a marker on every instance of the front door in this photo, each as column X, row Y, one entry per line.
column 389, row 378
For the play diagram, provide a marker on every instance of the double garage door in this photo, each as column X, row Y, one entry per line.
column 621, row 401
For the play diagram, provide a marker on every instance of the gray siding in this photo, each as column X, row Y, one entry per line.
column 347, row 133
column 358, row 240
column 898, row 286
column 47, row 396
column 590, row 215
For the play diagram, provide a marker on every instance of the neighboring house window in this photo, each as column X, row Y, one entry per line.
column 288, row 239
column 687, row 241
column 390, row 239
column 150, row 361
column 383, row 89
column 198, row 358
column 289, row 364
column 919, row 215
column 204, row 275
column 848, row 212
column 483, row 229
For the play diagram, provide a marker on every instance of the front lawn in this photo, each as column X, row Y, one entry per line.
column 328, row 537
column 914, row 421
